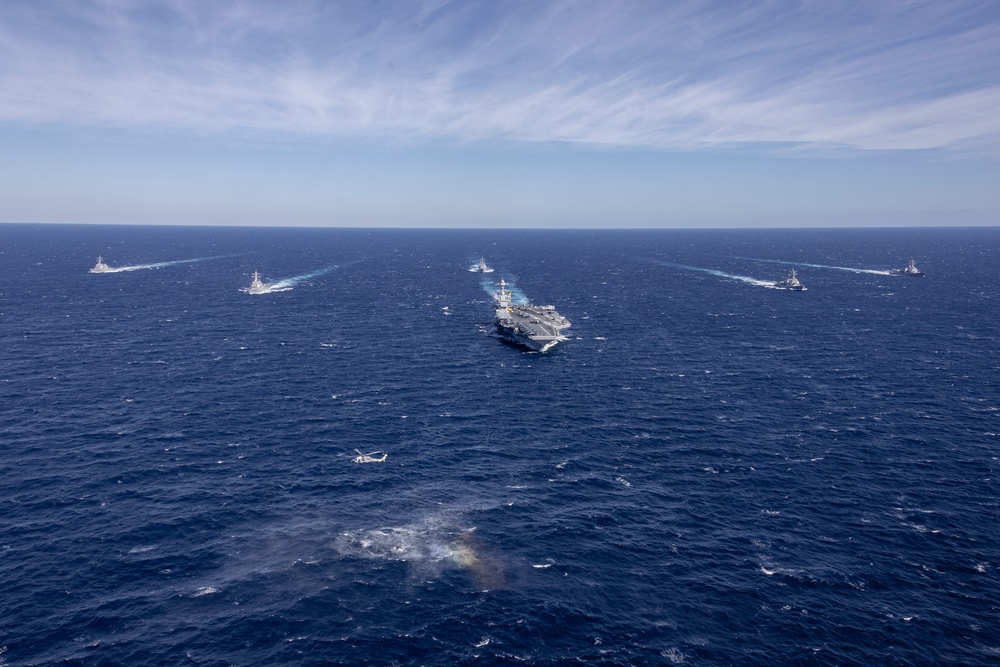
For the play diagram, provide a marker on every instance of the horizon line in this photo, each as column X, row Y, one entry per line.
column 508, row 228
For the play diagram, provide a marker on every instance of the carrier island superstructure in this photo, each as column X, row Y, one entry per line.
column 535, row 327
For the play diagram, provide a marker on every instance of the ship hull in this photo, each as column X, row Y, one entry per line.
column 522, row 340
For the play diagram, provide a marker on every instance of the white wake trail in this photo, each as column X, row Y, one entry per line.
column 286, row 284
column 849, row 269
column 160, row 265
column 722, row 274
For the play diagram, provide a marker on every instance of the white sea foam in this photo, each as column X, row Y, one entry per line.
column 205, row 590
column 404, row 543
column 673, row 655
column 429, row 547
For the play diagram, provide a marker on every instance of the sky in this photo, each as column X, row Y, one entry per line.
column 501, row 113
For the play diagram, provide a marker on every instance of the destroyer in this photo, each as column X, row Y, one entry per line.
column 910, row 270
column 101, row 267
column 535, row 327
column 481, row 267
column 791, row 283
column 256, row 286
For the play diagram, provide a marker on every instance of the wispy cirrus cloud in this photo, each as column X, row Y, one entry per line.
column 854, row 75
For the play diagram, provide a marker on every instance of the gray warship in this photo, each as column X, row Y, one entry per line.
column 256, row 286
column 101, row 267
column 911, row 270
column 534, row 327
column 791, row 283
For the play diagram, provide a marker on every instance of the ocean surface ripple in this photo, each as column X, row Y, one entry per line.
column 707, row 473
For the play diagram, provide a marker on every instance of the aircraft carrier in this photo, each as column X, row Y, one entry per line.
column 534, row 327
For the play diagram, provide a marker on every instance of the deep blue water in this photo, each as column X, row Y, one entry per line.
column 710, row 472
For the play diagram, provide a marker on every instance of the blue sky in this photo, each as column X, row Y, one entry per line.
column 495, row 113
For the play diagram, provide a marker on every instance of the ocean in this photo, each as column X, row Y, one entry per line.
column 709, row 472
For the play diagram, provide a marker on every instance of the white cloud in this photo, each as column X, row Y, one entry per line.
column 920, row 75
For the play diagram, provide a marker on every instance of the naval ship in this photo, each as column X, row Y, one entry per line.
column 101, row 267
column 910, row 270
column 535, row 327
column 481, row 267
column 791, row 283
column 256, row 286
